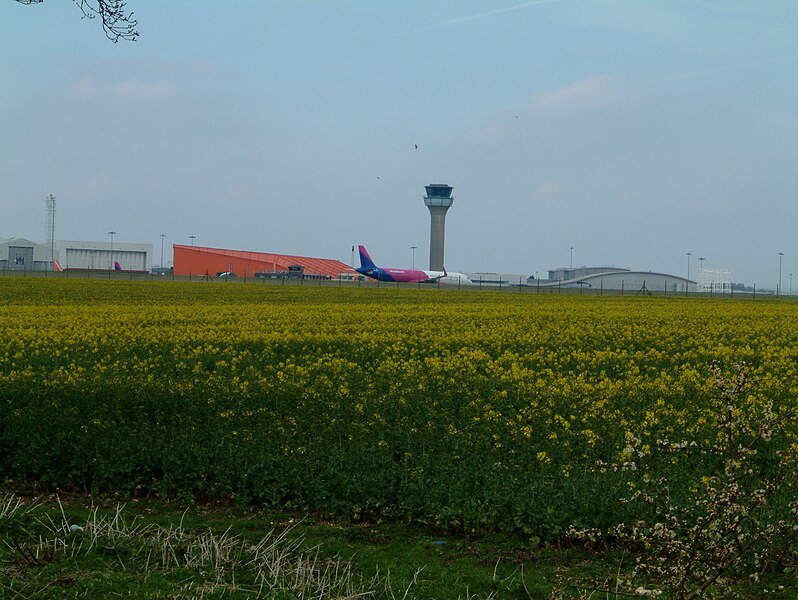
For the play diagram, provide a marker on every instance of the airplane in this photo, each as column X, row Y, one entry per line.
column 369, row 269
column 117, row 266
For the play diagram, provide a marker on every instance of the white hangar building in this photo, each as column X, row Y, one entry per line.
column 101, row 256
column 19, row 254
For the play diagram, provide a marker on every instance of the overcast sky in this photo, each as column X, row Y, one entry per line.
column 634, row 131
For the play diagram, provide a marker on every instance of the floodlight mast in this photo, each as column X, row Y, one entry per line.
column 50, row 228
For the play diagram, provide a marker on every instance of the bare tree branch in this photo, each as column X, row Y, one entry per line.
column 117, row 22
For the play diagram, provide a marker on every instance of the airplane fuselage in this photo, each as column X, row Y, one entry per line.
column 369, row 269
column 400, row 275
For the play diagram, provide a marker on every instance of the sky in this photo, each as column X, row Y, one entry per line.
column 620, row 133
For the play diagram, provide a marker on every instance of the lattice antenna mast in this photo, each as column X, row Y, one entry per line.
column 50, row 227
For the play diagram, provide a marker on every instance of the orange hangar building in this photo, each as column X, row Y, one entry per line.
column 196, row 260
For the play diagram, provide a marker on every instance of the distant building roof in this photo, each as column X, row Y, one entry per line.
column 197, row 260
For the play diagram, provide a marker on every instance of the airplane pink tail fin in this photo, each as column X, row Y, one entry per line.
column 117, row 266
column 365, row 259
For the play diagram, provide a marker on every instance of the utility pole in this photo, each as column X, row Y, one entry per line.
column 50, row 227
column 112, row 234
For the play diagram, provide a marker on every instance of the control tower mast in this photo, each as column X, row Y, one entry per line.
column 438, row 200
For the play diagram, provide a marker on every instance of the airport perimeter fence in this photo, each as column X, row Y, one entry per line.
column 521, row 287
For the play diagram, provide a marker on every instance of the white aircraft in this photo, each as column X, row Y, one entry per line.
column 369, row 269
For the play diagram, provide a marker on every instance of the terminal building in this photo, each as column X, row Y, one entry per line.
column 614, row 278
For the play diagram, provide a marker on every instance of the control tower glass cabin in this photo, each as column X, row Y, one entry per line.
column 438, row 200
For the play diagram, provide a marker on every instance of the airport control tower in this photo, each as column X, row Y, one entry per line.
column 438, row 200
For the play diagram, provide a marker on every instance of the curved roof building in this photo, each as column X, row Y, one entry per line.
column 198, row 260
column 613, row 278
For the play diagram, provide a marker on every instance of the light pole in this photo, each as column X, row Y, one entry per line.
column 413, row 264
column 112, row 234
column 571, row 264
column 192, row 238
column 791, row 283
column 163, row 235
column 687, row 285
column 700, row 275
column 778, row 289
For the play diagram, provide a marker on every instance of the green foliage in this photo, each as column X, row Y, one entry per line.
column 723, row 516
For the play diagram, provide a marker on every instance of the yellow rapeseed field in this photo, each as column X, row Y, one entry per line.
column 469, row 408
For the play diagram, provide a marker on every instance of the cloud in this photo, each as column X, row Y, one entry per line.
column 487, row 134
column 724, row 68
column 588, row 94
column 553, row 192
column 131, row 89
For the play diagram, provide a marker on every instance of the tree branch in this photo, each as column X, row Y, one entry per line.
column 117, row 22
